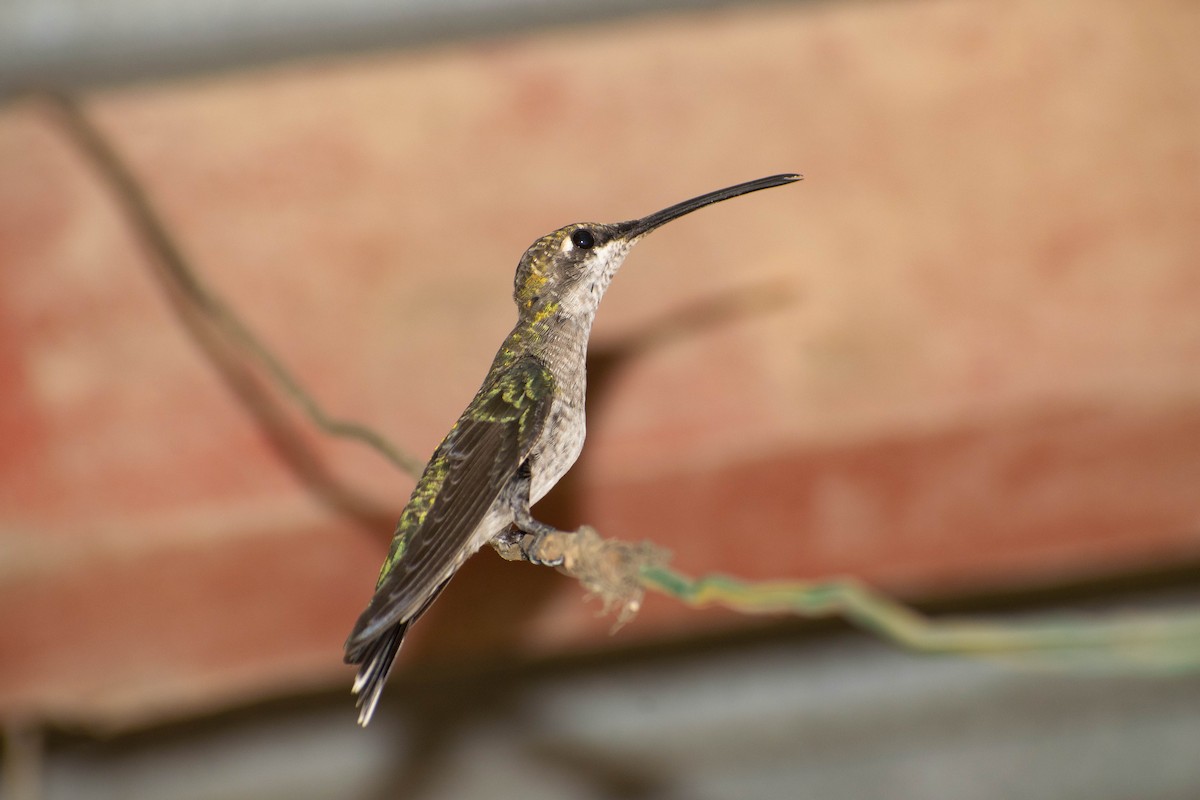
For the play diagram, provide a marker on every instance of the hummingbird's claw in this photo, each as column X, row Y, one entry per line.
column 534, row 547
column 543, row 548
column 508, row 543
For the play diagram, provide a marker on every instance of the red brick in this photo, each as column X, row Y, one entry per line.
column 982, row 370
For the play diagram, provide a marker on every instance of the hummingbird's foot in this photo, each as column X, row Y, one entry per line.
column 508, row 543
column 532, row 541
column 545, row 548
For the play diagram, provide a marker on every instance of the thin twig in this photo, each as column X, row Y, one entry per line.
column 1166, row 642
column 127, row 188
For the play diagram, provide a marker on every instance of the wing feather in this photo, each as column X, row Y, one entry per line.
column 473, row 465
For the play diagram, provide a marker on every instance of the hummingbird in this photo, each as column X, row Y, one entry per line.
column 518, row 436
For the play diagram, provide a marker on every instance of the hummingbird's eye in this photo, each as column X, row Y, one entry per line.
column 583, row 239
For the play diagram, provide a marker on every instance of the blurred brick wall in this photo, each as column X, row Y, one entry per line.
column 964, row 352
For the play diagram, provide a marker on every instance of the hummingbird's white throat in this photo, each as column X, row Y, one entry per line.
column 583, row 296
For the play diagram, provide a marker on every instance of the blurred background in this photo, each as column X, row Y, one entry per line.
column 960, row 362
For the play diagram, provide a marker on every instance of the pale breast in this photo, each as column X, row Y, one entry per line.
column 562, row 442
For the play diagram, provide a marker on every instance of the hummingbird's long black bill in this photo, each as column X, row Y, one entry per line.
column 638, row 227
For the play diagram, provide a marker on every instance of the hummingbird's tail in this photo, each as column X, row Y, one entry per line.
column 376, row 658
column 377, row 654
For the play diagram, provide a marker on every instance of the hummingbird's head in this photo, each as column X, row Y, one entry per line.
column 565, row 273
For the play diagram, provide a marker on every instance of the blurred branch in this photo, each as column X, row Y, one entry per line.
column 1168, row 642
column 619, row 572
column 151, row 227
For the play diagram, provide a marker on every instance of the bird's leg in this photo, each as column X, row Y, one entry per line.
column 528, row 534
column 609, row 569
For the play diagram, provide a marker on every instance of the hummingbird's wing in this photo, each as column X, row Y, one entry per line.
column 469, row 470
